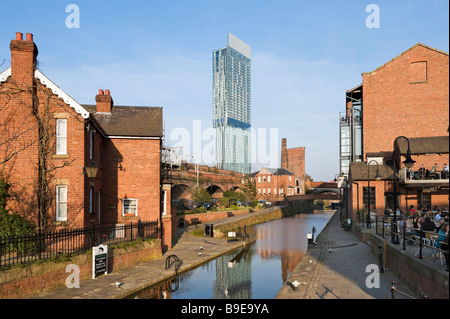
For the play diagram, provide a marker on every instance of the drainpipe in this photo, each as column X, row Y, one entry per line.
column 357, row 194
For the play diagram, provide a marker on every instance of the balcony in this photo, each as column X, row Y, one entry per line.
column 170, row 156
column 424, row 178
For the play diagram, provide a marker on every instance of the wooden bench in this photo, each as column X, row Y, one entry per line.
column 230, row 214
column 195, row 221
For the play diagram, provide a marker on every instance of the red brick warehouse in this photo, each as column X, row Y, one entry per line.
column 404, row 101
column 73, row 165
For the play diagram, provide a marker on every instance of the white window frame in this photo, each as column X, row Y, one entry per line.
column 58, row 212
column 61, row 137
column 123, row 206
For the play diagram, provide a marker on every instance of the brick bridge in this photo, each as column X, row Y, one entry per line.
column 184, row 179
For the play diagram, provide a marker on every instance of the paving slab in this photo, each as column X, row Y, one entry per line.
column 336, row 269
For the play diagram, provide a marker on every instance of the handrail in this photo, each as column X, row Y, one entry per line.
column 177, row 262
column 409, row 234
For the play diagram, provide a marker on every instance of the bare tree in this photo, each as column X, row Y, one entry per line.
column 28, row 112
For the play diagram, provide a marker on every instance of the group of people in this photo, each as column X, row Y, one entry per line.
column 420, row 222
column 434, row 173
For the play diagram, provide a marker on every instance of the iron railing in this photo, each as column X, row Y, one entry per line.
column 24, row 249
column 412, row 237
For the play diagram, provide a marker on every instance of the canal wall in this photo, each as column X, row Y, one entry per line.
column 419, row 275
column 291, row 208
column 23, row 281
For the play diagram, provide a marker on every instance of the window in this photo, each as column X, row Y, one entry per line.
column 264, row 179
column 91, row 199
column 418, row 72
column 61, row 203
column 61, row 136
column 99, row 205
column 259, row 179
column 268, row 191
column 268, row 178
column 91, row 144
column 129, row 207
column 259, row 191
column 372, row 197
column 264, row 191
column 424, row 199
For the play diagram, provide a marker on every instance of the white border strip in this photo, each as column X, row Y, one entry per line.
column 66, row 98
column 55, row 89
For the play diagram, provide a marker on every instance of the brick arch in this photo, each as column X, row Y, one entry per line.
column 180, row 191
column 215, row 191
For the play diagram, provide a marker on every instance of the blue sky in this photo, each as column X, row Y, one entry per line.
column 305, row 54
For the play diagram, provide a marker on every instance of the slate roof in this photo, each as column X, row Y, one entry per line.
column 130, row 121
column 425, row 145
column 359, row 171
column 274, row 171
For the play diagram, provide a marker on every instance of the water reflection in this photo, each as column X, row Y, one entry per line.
column 256, row 271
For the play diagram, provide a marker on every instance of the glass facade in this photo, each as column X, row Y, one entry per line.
column 232, row 107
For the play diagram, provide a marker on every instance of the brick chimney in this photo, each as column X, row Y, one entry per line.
column 104, row 101
column 23, row 60
column 284, row 153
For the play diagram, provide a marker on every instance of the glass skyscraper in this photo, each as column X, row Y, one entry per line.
column 232, row 105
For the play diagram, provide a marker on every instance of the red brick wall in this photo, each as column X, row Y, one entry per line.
column 17, row 119
column 131, row 169
column 394, row 105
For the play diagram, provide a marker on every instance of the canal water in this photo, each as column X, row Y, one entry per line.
column 256, row 271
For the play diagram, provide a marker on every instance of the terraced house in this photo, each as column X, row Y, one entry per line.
column 70, row 164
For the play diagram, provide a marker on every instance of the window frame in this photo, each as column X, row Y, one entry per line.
column 61, row 139
column 57, row 203
column 123, row 207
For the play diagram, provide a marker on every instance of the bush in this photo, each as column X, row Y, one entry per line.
column 12, row 224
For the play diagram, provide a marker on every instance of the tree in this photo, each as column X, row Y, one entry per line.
column 201, row 196
column 234, row 196
column 27, row 120
column 249, row 189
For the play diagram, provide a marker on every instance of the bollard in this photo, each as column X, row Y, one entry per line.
column 404, row 236
column 393, row 289
column 380, row 258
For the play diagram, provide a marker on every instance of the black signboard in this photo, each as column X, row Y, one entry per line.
column 100, row 260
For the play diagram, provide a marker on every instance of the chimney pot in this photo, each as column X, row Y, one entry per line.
column 29, row 37
column 19, row 36
column 107, row 92
column 100, row 92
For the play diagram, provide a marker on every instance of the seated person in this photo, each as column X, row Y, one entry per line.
column 428, row 225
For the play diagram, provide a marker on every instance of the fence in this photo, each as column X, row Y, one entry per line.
column 418, row 239
column 24, row 249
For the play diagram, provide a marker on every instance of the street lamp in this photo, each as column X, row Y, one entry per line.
column 90, row 170
column 336, row 180
column 409, row 163
column 377, row 177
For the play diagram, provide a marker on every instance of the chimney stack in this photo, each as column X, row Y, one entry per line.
column 284, row 153
column 23, row 60
column 104, row 101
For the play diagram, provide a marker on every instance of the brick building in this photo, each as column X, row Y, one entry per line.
column 293, row 160
column 273, row 184
column 406, row 100
column 73, row 165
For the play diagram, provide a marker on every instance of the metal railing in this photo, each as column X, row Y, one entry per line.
column 24, row 249
column 425, row 173
column 409, row 236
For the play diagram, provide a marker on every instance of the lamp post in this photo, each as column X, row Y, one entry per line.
column 338, row 180
column 377, row 177
column 409, row 163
